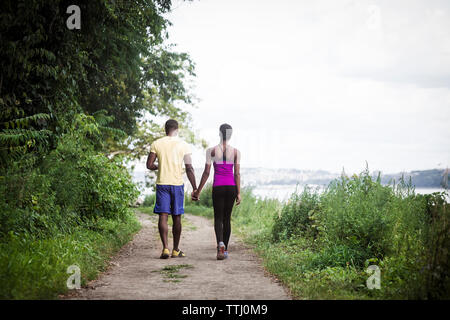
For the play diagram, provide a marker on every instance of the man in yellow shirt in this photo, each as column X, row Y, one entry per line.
column 171, row 152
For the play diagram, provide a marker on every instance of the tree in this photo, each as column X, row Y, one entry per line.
column 117, row 67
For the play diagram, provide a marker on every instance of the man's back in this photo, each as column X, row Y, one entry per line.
column 170, row 151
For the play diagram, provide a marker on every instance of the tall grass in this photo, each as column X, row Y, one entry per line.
column 254, row 217
column 358, row 221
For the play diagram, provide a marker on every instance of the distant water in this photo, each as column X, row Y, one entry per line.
column 272, row 191
column 283, row 192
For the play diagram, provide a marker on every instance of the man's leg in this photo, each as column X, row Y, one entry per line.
column 176, row 231
column 177, row 210
column 162, row 208
column 163, row 229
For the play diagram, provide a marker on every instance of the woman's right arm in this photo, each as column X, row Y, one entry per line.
column 206, row 171
column 205, row 177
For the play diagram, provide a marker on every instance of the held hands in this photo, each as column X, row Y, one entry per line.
column 195, row 195
column 238, row 199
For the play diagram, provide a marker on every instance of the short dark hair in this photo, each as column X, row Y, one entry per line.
column 225, row 131
column 171, row 125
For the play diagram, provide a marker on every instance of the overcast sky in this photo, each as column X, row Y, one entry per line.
column 322, row 84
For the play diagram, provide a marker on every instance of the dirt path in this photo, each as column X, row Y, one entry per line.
column 136, row 272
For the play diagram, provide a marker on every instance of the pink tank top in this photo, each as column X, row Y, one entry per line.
column 223, row 173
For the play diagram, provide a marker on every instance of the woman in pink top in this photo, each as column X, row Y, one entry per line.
column 226, row 186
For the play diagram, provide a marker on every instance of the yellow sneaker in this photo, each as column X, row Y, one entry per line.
column 178, row 254
column 165, row 254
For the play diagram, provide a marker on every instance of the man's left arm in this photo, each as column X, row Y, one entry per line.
column 190, row 170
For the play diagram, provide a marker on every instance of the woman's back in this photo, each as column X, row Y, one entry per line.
column 223, row 161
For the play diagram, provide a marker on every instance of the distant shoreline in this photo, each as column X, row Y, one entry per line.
column 432, row 178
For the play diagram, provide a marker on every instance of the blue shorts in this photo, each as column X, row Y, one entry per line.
column 169, row 199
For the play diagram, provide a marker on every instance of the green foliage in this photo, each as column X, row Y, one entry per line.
column 337, row 255
column 294, row 262
column 118, row 63
column 34, row 268
column 437, row 261
column 357, row 212
column 297, row 215
column 320, row 244
column 69, row 208
column 72, row 184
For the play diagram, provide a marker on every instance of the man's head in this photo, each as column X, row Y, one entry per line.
column 171, row 126
column 225, row 131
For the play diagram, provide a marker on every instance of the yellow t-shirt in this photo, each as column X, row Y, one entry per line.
column 170, row 152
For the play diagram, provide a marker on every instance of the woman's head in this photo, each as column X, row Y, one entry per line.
column 225, row 131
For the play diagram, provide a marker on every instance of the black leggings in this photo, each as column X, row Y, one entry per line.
column 223, row 200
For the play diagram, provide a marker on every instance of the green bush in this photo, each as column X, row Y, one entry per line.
column 70, row 207
column 357, row 212
column 325, row 241
column 71, row 185
column 438, row 247
column 297, row 215
column 337, row 255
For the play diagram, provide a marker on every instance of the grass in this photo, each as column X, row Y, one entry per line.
column 170, row 273
column 199, row 210
column 37, row 269
column 290, row 261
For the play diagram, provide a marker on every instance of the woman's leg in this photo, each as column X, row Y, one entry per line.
column 218, row 205
column 229, row 199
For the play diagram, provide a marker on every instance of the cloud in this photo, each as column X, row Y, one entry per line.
column 399, row 41
column 323, row 84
